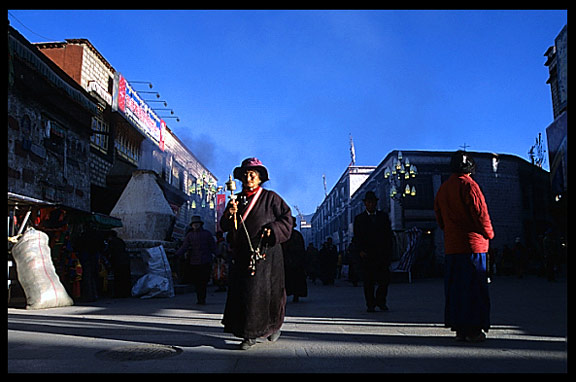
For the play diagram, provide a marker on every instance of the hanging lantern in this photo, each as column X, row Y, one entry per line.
column 386, row 172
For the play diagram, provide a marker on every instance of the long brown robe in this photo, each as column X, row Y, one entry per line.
column 255, row 305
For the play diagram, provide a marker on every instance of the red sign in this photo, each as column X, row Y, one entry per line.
column 129, row 103
column 220, row 207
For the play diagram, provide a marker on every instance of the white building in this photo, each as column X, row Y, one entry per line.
column 333, row 218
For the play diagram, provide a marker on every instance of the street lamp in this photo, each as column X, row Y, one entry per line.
column 164, row 102
column 140, row 91
column 400, row 174
column 205, row 189
column 141, row 82
column 171, row 111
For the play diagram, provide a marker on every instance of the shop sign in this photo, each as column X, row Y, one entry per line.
column 95, row 87
column 137, row 111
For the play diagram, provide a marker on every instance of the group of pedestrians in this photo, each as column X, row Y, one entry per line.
column 267, row 259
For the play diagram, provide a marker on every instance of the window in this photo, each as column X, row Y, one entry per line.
column 100, row 134
column 56, row 137
column 127, row 147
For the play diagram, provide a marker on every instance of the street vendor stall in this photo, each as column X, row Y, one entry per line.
column 63, row 230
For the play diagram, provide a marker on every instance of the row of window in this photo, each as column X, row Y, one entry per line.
column 129, row 148
column 100, row 139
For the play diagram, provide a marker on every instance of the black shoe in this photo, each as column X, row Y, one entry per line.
column 247, row 343
column 383, row 307
column 460, row 337
column 371, row 309
column 479, row 337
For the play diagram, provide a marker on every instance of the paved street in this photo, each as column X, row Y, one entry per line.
column 327, row 332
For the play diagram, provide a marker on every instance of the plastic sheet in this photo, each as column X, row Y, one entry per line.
column 157, row 282
column 36, row 272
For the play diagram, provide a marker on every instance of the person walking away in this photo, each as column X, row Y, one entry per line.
column 461, row 212
column 294, row 262
column 327, row 261
column 256, row 300
column 353, row 261
column 312, row 262
column 373, row 240
column 197, row 249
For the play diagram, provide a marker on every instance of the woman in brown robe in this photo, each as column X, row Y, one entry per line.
column 256, row 301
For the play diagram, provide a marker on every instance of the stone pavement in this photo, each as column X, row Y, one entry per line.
column 327, row 332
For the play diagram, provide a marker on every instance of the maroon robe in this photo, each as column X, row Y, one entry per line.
column 255, row 305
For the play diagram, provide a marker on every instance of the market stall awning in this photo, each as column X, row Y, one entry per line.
column 105, row 221
column 22, row 200
column 100, row 220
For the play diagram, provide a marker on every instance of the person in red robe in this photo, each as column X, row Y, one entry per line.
column 462, row 213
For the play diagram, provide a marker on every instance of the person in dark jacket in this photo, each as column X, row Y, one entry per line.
column 373, row 239
column 294, row 265
column 256, row 301
column 90, row 246
column 462, row 213
column 312, row 262
column 198, row 249
column 120, row 260
column 328, row 262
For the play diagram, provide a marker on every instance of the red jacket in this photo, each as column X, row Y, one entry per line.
column 462, row 213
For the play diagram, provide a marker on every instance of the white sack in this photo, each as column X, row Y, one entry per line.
column 151, row 285
column 157, row 282
column 36, row 272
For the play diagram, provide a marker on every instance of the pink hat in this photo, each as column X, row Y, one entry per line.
column 251, row 164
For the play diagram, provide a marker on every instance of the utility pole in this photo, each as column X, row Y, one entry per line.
column 352, row 152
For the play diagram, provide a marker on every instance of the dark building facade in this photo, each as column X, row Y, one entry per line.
column 49, row 128
column 557, row 131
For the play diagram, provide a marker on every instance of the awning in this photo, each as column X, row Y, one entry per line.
column 22, row 200
column 105, row 221
column 100, row 220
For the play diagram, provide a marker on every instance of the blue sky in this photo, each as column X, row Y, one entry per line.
column 290, row 87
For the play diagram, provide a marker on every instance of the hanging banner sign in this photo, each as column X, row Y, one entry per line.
column 137, row 111
column 220, row 208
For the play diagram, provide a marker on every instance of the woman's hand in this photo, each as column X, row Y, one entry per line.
column 268, row 237
column 233, row 209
